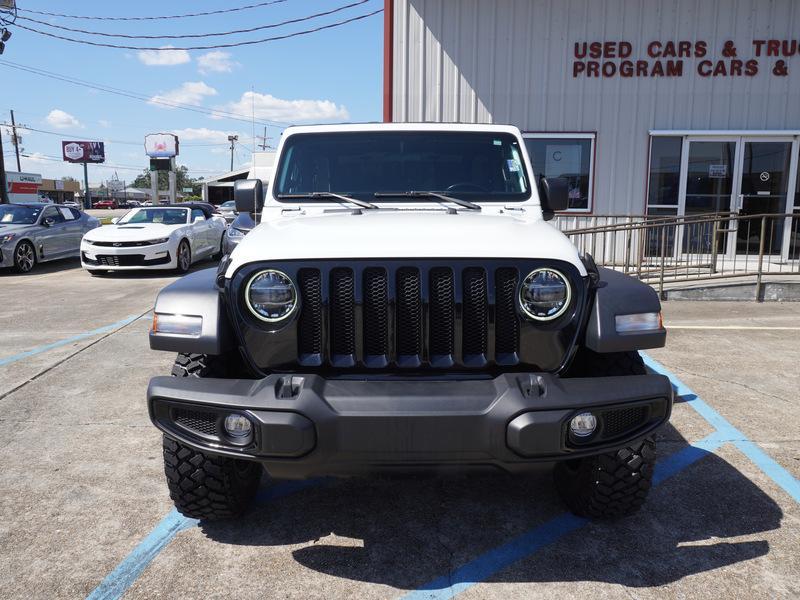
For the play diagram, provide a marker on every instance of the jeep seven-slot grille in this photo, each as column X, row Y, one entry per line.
column 435, row 316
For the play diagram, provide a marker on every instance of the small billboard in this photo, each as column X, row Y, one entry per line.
column 161, row 145
column 7, row 4
column 84, row 152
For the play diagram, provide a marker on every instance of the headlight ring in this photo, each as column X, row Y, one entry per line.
column 545, row 294
column 271, row 295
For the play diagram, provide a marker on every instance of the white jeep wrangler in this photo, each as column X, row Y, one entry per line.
column 404, row 305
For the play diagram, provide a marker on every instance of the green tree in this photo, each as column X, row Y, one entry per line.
column 182, row 180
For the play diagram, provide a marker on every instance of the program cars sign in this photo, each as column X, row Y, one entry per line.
column 161, row 145
column 84, row 152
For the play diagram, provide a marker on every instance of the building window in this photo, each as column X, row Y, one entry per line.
column 664, row 180
column 568, row 155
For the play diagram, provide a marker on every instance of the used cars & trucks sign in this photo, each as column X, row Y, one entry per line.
column 84, row 152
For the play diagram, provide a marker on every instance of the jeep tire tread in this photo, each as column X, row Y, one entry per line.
column 205, row 486
column 608, row 485
column 614, row 484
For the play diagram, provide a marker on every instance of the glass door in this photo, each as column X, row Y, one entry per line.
column 763, row 185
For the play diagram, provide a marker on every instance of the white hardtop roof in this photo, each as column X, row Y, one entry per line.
column 344, row 127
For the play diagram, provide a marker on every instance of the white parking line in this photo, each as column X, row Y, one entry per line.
column 734, row 327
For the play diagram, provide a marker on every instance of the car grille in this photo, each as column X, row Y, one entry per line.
column 619, row 421
column 196, row 421
column 434, row 315
column 122, row 244
column 125, row 260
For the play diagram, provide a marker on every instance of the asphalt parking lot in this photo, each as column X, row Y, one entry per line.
column 84, row 508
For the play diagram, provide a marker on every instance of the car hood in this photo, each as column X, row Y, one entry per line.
column 15, row 228
column 411, row 234
column 131, row 233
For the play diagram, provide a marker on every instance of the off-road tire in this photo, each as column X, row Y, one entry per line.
column 204, row 486
column 614, row 484
column 609, row 485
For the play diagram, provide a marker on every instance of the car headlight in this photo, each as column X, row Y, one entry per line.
column 271, row 296
column 158, row 241
column 235, row 233
column 545, row 294
column 7, row 237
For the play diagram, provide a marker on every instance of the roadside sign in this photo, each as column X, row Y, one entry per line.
column 187, row 190
column 84, row 152
column 161, row 145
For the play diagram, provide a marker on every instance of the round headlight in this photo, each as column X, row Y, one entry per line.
column 545, row 294
column 271, row 296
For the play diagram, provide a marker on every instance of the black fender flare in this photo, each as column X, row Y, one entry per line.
column 195, row 294
column 618, row 294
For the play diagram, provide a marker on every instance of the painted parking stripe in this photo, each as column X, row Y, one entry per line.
column 751, row 450
column 75, row 338
column 128, row 571
column 505, row 555
column 735, row 327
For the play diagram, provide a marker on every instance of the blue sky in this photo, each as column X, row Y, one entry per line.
column 329, row 76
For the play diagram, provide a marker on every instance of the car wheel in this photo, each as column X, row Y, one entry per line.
column 24, row 257
column 184, row 257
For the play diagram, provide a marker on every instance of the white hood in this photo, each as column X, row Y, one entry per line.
column 133, row 232
column 412, row 234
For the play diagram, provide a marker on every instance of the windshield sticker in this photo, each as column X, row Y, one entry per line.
column 513, row 165
column 497, row 143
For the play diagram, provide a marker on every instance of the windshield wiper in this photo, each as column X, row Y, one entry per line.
column 320, row 195
column 418, row 194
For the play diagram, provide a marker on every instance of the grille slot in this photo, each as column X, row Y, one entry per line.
column 376, row 312
column 622, row 420
column 442, row 313
column 409, row 313
column 506, row 322
column 309, row 328
column 197, row 421
column 475, row 323
column 343, row 325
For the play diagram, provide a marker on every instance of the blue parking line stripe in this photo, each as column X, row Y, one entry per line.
column 120, row 579
column 128, row 571
column 527, row 544
column 38, row 350
column 750, row 449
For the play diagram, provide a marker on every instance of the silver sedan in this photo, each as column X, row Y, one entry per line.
column 35, row 233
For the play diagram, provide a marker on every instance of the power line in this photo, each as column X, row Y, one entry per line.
column 209, row 47
column 185, row 16
column 63, row 134
column 198, row 35
column 138, row 96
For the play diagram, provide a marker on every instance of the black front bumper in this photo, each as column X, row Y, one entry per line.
column 306, row 425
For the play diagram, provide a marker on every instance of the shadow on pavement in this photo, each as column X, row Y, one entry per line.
column 406, row 531
column 55, row 266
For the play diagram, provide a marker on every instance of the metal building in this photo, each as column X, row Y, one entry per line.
column 666, row 107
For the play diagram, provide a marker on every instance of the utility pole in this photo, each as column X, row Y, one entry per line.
column 232, row 139
column 16, row 139
column 3, row 185
column 264, row 137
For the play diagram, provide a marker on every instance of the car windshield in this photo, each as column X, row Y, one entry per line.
column 473, row 165
column 166, row 216
column 19, row 215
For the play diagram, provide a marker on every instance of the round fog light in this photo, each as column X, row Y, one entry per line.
column 238, row 426
column 583, row 425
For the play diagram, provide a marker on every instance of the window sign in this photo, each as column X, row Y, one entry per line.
column 718, row 171
column 567, row 156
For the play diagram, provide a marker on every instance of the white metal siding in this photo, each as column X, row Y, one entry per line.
column 510, row 61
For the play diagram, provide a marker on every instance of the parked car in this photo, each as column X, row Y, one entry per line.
column 241, row 226
column 71, row 204
column 35, row 233
column 171, row 237
column 416, row 312
column 228, row 210
column 109, row 204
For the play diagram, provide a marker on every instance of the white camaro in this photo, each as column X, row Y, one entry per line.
column 158, row 237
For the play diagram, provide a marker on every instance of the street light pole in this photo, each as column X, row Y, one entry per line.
column 232, row 139
column 3, row 185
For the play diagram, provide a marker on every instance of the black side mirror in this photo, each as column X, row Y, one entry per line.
column 49, row 222
column 249, row 195
column 555, row 195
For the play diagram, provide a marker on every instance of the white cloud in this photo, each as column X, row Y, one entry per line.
column 62, row 120
column 190, row 92
column 163, row 58
column 287, row 111
column 203, row 134
column 104, row 123
column 216, row 61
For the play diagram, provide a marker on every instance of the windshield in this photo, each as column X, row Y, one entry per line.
column 474, row 165
column 19, row 215
column 166, row 216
